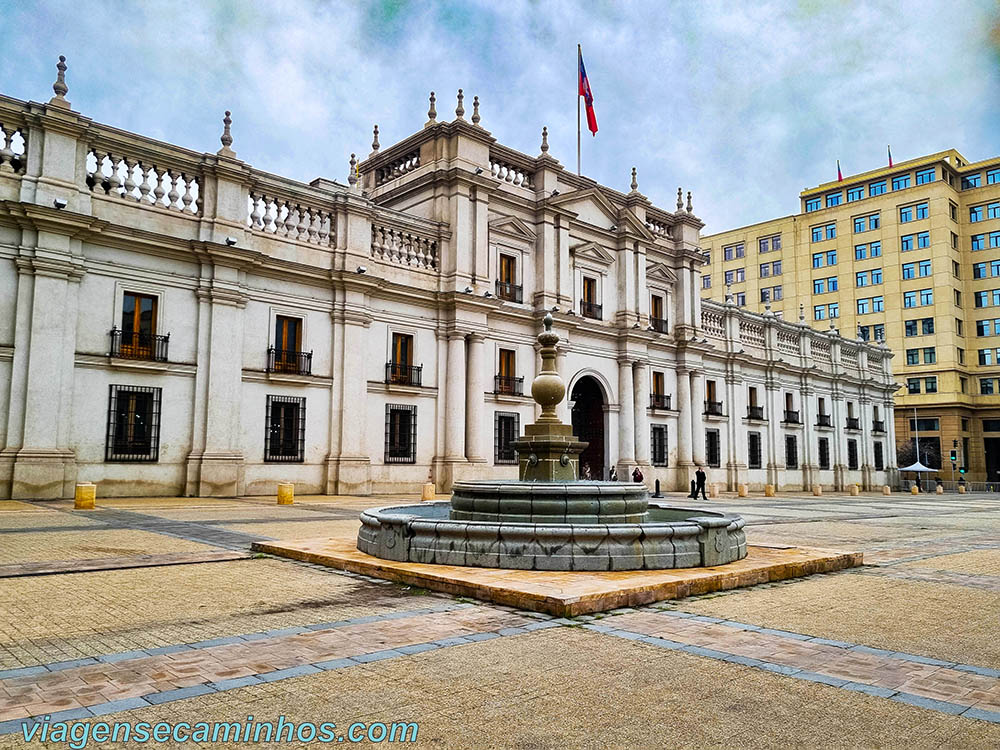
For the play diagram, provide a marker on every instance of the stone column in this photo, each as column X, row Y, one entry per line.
column 697, row 406
column 684, row 421
column 775, row 446
column 626, row 418
column 454, row 428
column 474, row 400
column 736, row 429
column 865, row 449
column 808, row 437
column 838, row 440
column 640, row 379
column 349, row 467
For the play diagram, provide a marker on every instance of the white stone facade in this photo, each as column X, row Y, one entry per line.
column 90, row 214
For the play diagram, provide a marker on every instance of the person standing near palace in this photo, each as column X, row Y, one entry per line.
column 613, row 475
column 636, row 475
column 699, row 483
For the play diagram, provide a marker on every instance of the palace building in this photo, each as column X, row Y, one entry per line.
column 175, row 322
column 909, row 254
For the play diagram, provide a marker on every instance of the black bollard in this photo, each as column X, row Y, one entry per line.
column 657, row 493
column 694, row 492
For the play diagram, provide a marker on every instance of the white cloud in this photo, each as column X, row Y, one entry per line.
column 744, row 104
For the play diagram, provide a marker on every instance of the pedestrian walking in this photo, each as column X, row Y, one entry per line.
column 699, row 483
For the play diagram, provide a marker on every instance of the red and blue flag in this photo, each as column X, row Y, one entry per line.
column 587, row 94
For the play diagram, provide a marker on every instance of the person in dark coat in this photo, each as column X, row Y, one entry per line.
column 636, row 475
column 699, row 483
column 613, row 475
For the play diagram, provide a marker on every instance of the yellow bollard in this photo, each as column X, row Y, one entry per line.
column 743, row 490
column 817, row 490
column 855, row 491
column 86, row 493
column 713, row 489
column 768, row 490
column 914, row 490
column 940, row 490
column 286, row 493
column 428, row 492
column 961, row 489
column 886, row 490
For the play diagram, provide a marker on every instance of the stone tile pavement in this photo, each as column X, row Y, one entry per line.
column 902, row 653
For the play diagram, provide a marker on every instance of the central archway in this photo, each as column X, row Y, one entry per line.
column 588, row 423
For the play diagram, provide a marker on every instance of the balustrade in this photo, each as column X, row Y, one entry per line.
column 142, row 181
column 289, row 218
column 13, row 148
column 397, row 168
column 503, row 170
column 404, row 247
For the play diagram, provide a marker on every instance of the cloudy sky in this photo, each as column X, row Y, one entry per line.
column 745, row 104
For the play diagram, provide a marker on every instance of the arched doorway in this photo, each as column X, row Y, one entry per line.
column 588, row 423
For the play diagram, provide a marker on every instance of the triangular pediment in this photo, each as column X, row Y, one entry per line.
column 592, row 251
column 511, row 226
column 590, row 206
column 632, row 222
column 660, row 272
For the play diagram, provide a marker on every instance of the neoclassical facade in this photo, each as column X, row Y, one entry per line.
column 179, row 323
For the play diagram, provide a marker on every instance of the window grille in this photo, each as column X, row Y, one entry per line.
column 133, row 432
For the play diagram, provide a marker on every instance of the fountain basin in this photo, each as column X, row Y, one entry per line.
column 669, row 538
column 583, row 502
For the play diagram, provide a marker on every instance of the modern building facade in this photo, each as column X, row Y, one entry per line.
column 177, row 322
column 909, row 254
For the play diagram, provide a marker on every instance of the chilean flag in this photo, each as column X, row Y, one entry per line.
column 587, row 94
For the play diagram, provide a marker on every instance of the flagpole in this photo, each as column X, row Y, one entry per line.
column 579, row 54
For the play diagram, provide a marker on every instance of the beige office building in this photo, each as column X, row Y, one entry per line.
column 908, row 253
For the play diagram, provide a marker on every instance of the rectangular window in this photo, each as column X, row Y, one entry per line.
column 831, row 258
column 819, row 286
column 506, row 429
column 901, row 183
column 905, row 214
column 138, row 335
column 993, row 211
column 817, row 234
column 400, row 434
column 923, row 239
column 921, row 210
column 978, row 241
column 861, row 278
column 909, row 299
column 879, row 457
column 859, row 224
column 876, row 276
column 776, row 265
column 833, row 309
column 706, row 281
column 754, row 458
column 852, row 454
column 985, row 357
column 876, row 188
column 864, row 306
column 912, row 385
column 925, row 425
column 930, row 355
column 976, row 213
column 285, row 424
column 819, row 312
column 971, row 181
column 909, row 270
column 133, row 429
column 927, row 326
column 791, row 452
column 910, row 328
column 507, row 363
column 508, row 269
column 924, row 268
column 831, row 231
column 658, row 448
column 713, row 455
column 878, row 304
column 924, row 176
column 875, row 249
column 765, row 270
column 817, row 260
column 926, row 296
column 930, row 385
column 833, row 199
column 913, row 357
column 979, row 270
column 589, row 290
column 855, row 194
column 906, row 242
column 986, row 386
column 993, row 177
column 860, row 252
column 824, row 453
column 994, row 239
column 813, row 204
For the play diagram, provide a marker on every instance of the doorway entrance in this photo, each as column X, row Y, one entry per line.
column 588, row 424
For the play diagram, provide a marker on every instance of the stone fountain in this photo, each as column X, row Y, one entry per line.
column 548, row 519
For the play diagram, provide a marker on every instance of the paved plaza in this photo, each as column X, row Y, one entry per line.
column 156, row 609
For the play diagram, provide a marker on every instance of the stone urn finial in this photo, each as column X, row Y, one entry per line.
column 475, row 110
column 59, row 87
column 547, row 388
column 227, row 136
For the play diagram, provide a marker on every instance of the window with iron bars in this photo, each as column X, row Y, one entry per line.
column 791, row 452
column 400, row 434
column 824, row 453
column 713, row 455
column 658, row 447
column 852, row 454
column 506, row 429
column 753, row 451
column 879, row 460
column 133, row 432
column 285, row 429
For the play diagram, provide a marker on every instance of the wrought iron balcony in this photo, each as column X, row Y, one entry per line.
column 658, row 324
column 400, row 374
column 853, row 423
column 755, row 412
column 508, row 386
column 591, row 310
column 659, row 401
column 713, row 408
column 292, row 362
column 823, row 420
column 129, row 345
column 791, row 417
column 509, row 292
column 878, row 425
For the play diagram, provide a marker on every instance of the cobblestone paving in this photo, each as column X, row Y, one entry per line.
column 902, row 653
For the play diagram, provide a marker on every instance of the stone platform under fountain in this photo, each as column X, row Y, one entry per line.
column 548, row 519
